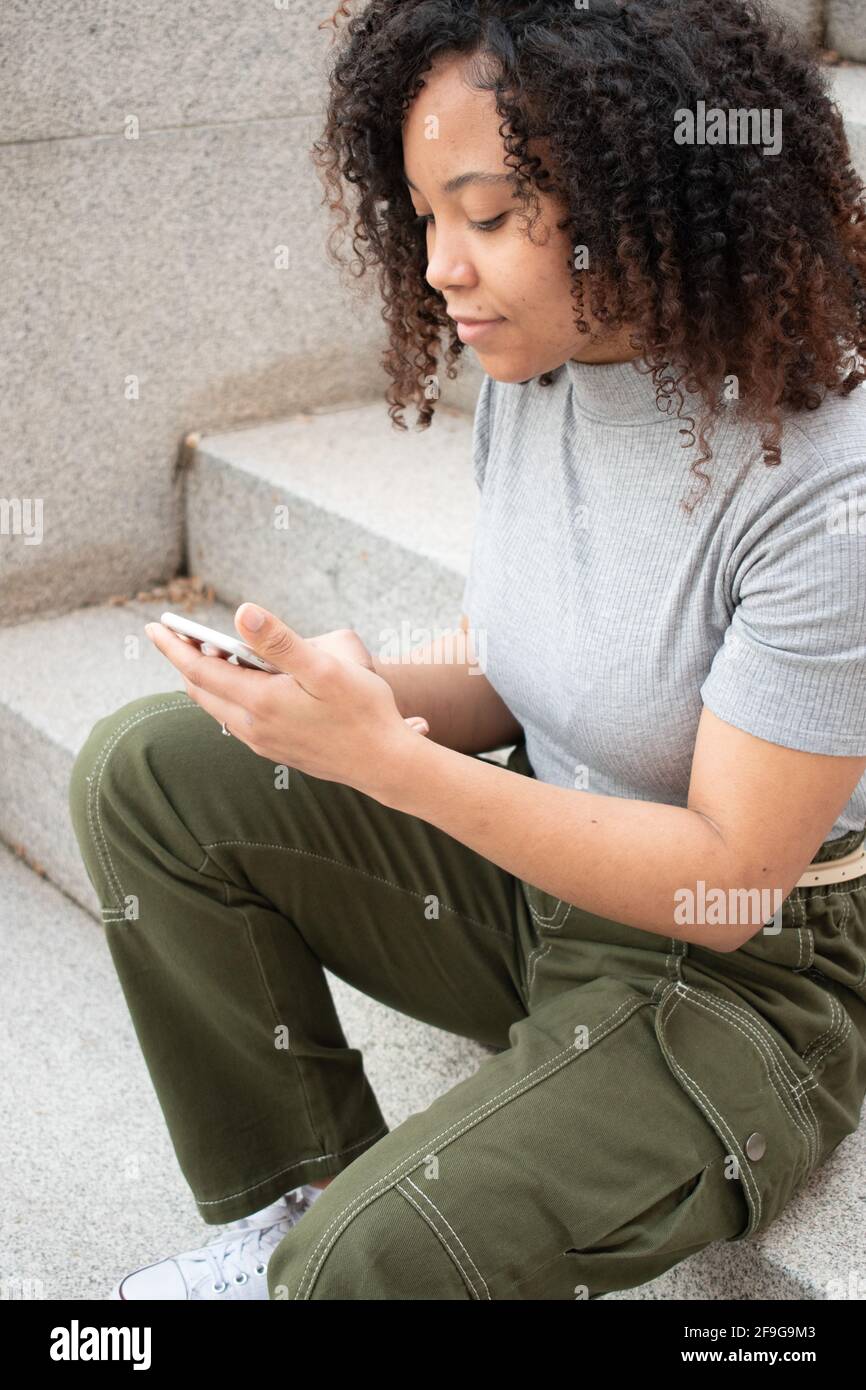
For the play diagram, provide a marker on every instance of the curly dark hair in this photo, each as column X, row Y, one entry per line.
column 724, row 260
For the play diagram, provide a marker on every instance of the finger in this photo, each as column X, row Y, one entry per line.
column 286, row 649
column 238, row 684
column 238, row 720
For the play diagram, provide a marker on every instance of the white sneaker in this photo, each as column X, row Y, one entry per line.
column 233, row 1266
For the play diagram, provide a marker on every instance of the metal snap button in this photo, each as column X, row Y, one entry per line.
column 756, row 1145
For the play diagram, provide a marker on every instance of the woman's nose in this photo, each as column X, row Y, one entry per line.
column 445, row 269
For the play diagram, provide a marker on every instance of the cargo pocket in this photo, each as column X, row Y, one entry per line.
column 706, row 1208
column 821, row 950
column 746, row 1081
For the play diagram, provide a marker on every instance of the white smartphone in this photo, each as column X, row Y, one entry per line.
column 237, row 651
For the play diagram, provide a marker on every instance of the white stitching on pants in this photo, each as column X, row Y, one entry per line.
column 102, row 757
column 798, row 907
column 94, row 784
column 427, row 1198
column 544, row 923
column 843, row 928
column 774, row 1057
column 831, row 891
column 355, row 869
column 659, row 985
column 547, row 923
column 807, row 1127
column 673, row 967
column 799, row 904
column 835, row 1041
column 804, row 935
column 835, row 1021
column 742, row 1163
column 315, row 1158
column 424, row 1217
column 466, row 1122
column 109, row 912
column 535, row 956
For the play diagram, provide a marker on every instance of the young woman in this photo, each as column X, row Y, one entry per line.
column 659, row 924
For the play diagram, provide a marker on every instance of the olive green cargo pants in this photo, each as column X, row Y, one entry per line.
column 649, row 1097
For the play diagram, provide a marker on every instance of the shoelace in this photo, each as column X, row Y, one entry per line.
column 234, row 1255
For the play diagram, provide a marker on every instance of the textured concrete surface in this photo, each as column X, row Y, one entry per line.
column 846, row 28
column 375, row 528
column 58, row 676
column 165, row 269
column 804, row 16
column 379, row 535
column 849, row 91
column 142, row 299
column 202, row 62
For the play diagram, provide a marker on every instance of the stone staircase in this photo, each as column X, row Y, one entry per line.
column 378, row 525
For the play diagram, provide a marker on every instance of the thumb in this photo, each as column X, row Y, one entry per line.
column 279, row 644
column 417, row 723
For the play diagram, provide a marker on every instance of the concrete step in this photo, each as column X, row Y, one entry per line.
column 336, row 519
column 58, row 676
column 379, row 526
column 845, row 27
column 91, row 1185
column 848, row 85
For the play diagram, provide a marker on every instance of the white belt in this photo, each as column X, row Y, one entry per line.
column 835, row 870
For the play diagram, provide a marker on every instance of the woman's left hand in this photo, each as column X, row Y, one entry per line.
column 327, row 717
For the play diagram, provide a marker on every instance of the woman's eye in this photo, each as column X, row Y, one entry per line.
column 487, row 226
column 427, row 218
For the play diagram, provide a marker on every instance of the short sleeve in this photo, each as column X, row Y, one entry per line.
column 792, row 667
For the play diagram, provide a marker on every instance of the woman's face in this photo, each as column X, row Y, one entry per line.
column 495, row 274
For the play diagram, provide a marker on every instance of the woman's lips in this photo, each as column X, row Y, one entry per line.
column 471, row 332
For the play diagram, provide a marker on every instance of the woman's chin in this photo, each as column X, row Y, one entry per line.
column 508, row 369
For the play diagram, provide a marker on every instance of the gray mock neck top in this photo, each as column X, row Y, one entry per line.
column 605, row 617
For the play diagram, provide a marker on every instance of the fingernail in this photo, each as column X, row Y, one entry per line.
column 252, row 617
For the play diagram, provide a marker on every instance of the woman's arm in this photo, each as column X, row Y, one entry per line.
column 757, row 813
column 463, row 710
